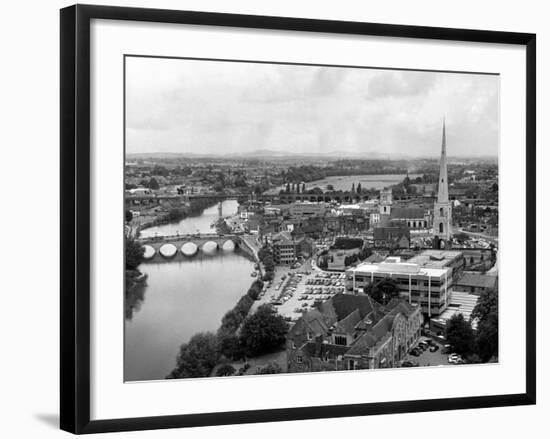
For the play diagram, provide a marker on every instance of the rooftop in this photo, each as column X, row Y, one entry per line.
column 405, row 268
column 459, row 303
column 435, row 258
column 477, row 280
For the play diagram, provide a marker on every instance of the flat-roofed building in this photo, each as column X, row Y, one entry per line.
column 441, row 259
column 306, row 209
column 460, row 302
column 428, row 286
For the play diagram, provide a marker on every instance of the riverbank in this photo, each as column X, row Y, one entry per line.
column 173, row 214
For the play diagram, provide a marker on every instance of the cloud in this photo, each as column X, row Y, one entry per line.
column 393, row 84
column 210, row 107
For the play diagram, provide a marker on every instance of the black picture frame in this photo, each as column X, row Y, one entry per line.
column 75, row 217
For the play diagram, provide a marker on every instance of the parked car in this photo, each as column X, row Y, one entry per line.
column 415, row 352
column 455, row 359
column 434, row 348
column 409, row 364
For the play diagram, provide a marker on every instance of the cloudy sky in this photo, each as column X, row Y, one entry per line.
column 197, row 106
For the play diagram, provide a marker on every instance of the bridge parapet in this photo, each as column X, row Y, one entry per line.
column 178, row 240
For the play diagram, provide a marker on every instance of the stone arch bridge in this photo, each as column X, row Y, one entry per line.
column 190, row 245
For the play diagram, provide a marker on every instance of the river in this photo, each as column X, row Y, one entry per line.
column 343, row 183
column 194, row 224
column 182, row 297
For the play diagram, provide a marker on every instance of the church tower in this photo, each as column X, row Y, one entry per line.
column 442, row 226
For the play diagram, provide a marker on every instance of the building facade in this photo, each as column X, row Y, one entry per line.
column 306, row 209
column 427, row 285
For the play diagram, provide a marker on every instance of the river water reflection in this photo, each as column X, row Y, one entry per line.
column 182, row 297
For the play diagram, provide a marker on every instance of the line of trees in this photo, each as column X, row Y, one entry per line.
column 261, row 332
column 265, row 255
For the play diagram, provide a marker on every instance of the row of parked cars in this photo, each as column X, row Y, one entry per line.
column 327, row 279
column 422, row 346
column 288, row 289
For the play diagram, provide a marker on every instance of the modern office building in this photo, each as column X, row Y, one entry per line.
column 426, row 279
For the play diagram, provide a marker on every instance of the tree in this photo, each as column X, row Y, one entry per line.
column 134, row 253
column 460, row 334
column 128, row 216
column 383, row 291
column 486, row 314
column 270, row 369
column 353, row 187
column 487, row 304
column 359, row 189
column 303, row 187
column 330, row 187
column 225, row 370
column 230, row 346
column 487, row 338
column 198, row 357
column 154, row 184
column 288, row 188
column 263, row 331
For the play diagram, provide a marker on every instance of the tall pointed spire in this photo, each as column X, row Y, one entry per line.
column 443, row 189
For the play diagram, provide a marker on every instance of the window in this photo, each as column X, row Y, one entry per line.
column 351, row 364
column 440, row 211
column 440, row 227
column 299, row 359
column 309, row 337
column 341, row 340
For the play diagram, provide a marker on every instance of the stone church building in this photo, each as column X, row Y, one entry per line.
column 353, row 332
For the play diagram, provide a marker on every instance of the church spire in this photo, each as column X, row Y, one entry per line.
column 443, row 189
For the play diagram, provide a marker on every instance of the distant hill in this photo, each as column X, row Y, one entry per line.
column 267, row 153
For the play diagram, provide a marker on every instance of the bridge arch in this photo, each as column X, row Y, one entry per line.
column 148, row 252
column 189, row 249
column 210, row 247
column 168, row 250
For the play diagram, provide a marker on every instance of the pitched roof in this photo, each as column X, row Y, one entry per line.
column 400, row 306
column 477, row 280
column 341, row 305
column 347, row 324
column 372, row 336
column 391, row 232
column 316, row 349
column 312, row 320
column 407, row 212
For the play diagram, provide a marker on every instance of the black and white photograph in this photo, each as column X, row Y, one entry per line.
column 295, row 218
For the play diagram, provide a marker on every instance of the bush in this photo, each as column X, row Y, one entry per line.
column 271, row 368
column 225, row 370
column 134, row 253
